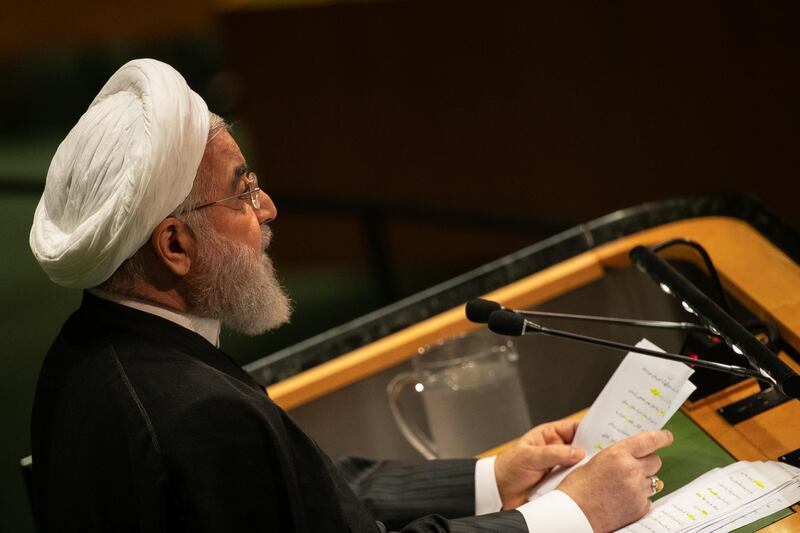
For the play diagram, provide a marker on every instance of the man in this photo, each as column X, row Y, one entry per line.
column 141, row 423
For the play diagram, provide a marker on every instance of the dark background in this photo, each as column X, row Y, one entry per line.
column 404, row 142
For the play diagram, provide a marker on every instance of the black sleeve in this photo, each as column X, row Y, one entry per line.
column 398, row 493
column 503, row 522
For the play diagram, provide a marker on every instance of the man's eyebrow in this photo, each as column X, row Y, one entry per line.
column 238, row 172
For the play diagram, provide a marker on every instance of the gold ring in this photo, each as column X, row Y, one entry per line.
column 656, row 485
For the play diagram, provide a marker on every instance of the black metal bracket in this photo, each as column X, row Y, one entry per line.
column 792, row 458
column 752, row 405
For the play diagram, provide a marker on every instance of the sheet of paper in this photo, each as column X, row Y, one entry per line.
column 642, row 395
column 785, row 493
column 773, row 504
column 722, row 500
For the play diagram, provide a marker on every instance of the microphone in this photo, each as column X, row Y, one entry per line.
column 479, row 311
column 506, row 322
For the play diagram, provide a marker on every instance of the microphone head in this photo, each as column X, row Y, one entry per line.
column 506, row 322
column 479, row 310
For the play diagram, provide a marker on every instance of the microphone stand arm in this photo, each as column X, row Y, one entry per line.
column 656, row 324
column 531, row 327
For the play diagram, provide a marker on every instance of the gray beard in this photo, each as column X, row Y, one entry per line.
column 236, row 285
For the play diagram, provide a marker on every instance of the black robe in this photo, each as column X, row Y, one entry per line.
column 142, row 425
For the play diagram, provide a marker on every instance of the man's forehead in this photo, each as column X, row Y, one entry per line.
column 223, row 149
column 224, row 162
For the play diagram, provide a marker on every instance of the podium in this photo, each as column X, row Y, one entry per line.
column 756, row 257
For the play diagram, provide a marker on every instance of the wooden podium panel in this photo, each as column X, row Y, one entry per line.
column 751, row 268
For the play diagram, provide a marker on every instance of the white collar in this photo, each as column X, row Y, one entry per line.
column 208, row 328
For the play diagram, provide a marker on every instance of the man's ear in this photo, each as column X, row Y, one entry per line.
column 174, row 245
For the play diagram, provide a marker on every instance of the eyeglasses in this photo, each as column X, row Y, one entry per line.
column 253, row 194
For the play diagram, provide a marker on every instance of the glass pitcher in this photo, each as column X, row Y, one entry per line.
column 471, row 392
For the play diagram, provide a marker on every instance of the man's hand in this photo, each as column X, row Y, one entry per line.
column 535, row 453
column 613, row 489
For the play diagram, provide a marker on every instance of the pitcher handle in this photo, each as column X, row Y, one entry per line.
column 411, row 431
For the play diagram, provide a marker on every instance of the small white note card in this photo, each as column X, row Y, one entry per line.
column 642, row 395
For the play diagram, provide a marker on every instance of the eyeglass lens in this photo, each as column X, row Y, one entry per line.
column 252, row 186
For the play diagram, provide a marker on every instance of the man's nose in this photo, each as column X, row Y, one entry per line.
column 267, row 212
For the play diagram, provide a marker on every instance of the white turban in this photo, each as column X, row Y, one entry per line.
column 126, row 165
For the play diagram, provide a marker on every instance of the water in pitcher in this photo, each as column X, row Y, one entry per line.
column 473, row 408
